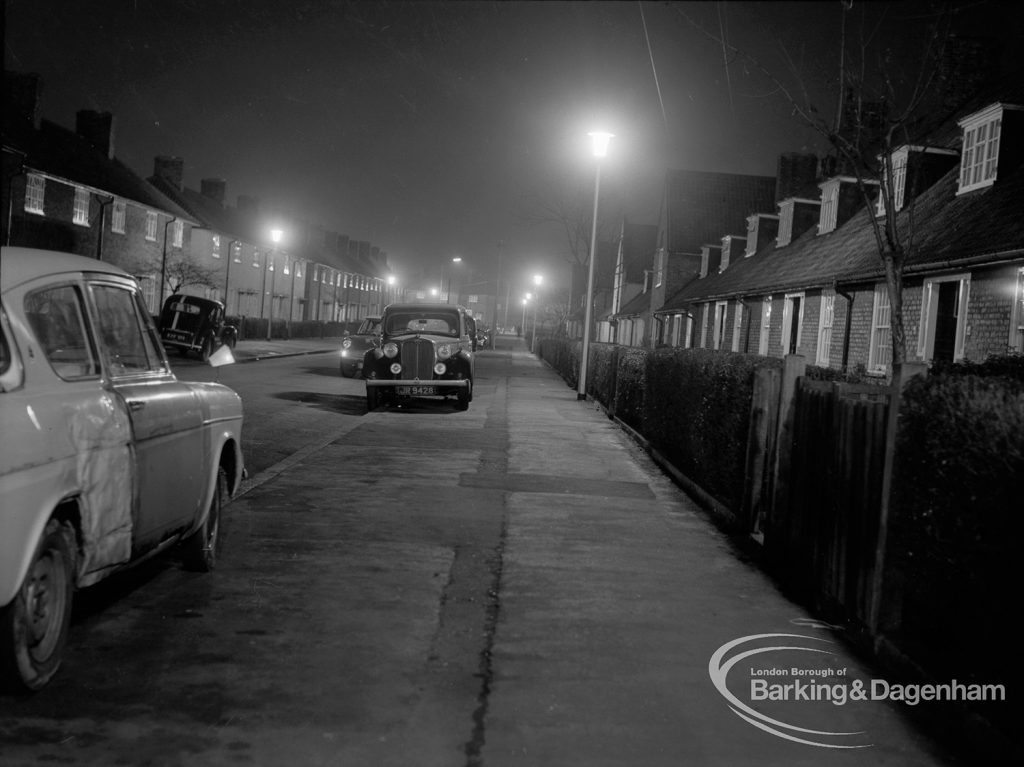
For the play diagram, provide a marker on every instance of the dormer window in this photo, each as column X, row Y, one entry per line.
column 785, row 223
column 980, row 156
column 899, row 182
column 829, row 206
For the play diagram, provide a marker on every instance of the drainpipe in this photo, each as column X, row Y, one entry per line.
column 10, row 199
column 846, row 330
column 227, row 272
column 163, row 265
column 99, row 236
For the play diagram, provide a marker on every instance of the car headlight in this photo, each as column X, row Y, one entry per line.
column 396, row 368
column 439, row 368
column 444, row 351
column 390, row 350
column 346, row 343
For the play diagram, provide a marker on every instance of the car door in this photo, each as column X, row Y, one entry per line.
column 166, row 416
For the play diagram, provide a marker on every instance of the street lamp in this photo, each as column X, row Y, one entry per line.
column 275, row 237
column 448, row 291
column 526, row 300
column 600, row 146
column 537, row 280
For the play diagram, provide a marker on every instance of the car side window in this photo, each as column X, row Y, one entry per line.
column 128, row 345
column 57, row 319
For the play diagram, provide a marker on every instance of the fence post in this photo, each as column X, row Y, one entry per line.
column 886, row 592
column 794, row 366
column 761, row 402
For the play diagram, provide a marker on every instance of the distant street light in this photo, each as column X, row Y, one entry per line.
column 526, row 300
column 537, row 280
column 448, row 290
column 275, row 237
column 600, row 146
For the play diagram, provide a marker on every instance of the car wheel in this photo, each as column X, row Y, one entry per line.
column 207, row 350
column 202, row 549
column 465, row 396
column 34, row 626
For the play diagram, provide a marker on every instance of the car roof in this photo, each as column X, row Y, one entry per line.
column 423, row 307
column 19, row 265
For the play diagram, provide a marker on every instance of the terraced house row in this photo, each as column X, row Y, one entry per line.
column 66, row 190
column 791, row 264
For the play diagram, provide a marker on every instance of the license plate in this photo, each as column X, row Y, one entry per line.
column 416, row 390
column 176, row 335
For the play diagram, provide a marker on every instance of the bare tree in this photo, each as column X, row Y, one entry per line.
column 880, row 101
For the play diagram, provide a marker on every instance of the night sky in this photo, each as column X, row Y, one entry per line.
column 427, row 128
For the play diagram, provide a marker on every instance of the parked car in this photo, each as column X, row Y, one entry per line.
column 355, row 345
column 194, row 324
column 425, row 350
column 107, row 458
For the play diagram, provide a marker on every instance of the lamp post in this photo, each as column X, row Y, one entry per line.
column 275, row 237
column 448, row 290
column 526, row 300
column 600, row 145
column 537, row 280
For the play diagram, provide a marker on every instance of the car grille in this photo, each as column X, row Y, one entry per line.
column 417, row 359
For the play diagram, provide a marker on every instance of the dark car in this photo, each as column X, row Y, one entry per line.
column 193, row 324
column 426, row 350
column 355, row 345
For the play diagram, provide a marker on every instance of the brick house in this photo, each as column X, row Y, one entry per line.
column 819, row 290
column 65, row 190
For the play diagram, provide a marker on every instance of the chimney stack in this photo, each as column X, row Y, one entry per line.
column 21, row 99
column 796, row 172
column 97, row 128
column 170, row 170
column 215, row 189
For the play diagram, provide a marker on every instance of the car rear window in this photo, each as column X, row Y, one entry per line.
column 434, row 324
column 56, row 317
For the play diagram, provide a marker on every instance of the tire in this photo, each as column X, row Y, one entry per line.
column 372, row 399
column 207, row 350
column 202, row 549
column 34, row 626
column 465, row 396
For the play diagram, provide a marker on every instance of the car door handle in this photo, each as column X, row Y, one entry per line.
column 136, row 404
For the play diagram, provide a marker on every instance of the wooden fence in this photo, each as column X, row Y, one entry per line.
column 835, row 491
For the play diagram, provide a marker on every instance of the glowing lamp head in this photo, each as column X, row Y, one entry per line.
column 600, row 141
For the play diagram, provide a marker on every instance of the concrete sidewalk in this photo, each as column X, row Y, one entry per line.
column 616, row 594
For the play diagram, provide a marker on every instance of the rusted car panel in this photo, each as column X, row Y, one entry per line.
column 105, row 457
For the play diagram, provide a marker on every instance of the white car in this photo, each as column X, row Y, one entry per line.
column 105, row 457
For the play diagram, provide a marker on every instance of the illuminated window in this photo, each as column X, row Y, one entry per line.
column 880, row 352
column 35, row 191
column 215, row 245
column 80, row 214
column 178, row 234
column 826, row 318
column 151, row 225
column 766, row 324
column 1017, row 317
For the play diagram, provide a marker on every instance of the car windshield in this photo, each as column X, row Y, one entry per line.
column 368, row 327
column 434, row 323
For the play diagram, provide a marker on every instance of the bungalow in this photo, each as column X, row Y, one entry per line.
column 820, row 291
